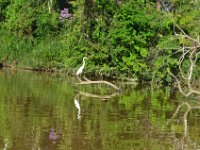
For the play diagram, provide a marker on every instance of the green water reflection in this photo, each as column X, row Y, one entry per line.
column 41, row 111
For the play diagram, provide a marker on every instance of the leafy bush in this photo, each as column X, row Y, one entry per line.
column 120, row 38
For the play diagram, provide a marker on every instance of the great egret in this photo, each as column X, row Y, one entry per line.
column 80, row 70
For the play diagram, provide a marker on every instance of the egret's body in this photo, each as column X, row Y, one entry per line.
column 80, row 70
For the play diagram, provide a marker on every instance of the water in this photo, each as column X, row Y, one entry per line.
column 48, row 112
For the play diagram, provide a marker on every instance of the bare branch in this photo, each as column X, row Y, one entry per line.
column 183, row 35
column 188, row 53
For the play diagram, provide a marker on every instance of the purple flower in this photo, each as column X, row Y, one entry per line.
column 64, row 14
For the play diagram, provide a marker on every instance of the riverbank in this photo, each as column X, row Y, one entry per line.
column 129, row 39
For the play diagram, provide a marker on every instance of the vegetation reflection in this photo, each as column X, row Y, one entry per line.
column 45, row 111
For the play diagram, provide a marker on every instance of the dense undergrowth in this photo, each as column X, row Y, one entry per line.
column 121, row 39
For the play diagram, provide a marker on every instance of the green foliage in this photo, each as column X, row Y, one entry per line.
column 190, row 21
column 170, row 44
column 132, row 35
column 3, row 6
column 30, row 18
column 120, row 38
column 47, row 55
column 42, row 53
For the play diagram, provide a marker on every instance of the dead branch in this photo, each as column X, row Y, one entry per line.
column 193, row 55
column 186, row 94
column 190, row 53
column 183, row 35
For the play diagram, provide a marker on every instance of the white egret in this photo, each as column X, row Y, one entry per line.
column 80, row 70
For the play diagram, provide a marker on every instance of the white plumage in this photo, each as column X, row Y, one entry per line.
column 80, row 70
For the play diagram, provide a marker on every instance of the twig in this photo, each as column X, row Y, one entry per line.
column 180, row 87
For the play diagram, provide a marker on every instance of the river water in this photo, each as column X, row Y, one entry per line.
column 41, row 111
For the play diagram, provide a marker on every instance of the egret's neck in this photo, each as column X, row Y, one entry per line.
column 83, row 62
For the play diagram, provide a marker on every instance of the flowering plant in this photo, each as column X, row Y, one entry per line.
column 65, row 14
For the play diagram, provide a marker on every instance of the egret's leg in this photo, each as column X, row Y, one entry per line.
column 79, row 78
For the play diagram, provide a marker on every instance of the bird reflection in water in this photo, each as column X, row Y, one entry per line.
column 54, row 136
column 77, row 105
